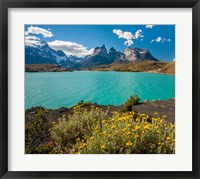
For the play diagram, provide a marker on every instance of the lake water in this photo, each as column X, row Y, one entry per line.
column 57, row 89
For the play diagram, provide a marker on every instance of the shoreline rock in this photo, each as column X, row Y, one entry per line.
column 163, row 107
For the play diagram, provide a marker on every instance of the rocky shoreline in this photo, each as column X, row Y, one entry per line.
column 148, row 66
column 45, row 68
column 163, row 107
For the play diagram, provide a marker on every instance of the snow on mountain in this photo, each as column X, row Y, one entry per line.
column 40, row 53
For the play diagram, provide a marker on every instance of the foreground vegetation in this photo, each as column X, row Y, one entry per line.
column 96, row 131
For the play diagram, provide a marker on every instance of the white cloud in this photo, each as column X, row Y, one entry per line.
column 167, row 40
column 118, row 32
column 160, row 40
column 152, row 41
column 124, row 35
column 37, row 30
column 149, row 26
column 32, row 43
column 31, row 38
column 139, row 34
column 128, row 42
column 70, row 48
column 128, row 36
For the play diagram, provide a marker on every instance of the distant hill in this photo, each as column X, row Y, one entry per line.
column 169, row 68
column 139, row 66
column 44, row 68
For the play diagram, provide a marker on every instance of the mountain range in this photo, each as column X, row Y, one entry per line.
column 42, row 53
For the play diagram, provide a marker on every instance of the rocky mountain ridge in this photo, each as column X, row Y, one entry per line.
column 42, row 53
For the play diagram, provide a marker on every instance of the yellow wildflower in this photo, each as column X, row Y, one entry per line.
column 154, row 119
column 147, row 127
column 129, row 125
column 124, row 129
column 84, row 144
column 137, row 119
column 103, row 147
column 156, row 113
column 137, row 127
column 128, row 133
column 168, row 138
column 142, row 115
column 120, row 119
column 78, row 139
column 104, row 133
column 107, row 125
column 129, row 144
column 103, row 121
column 137, row 136
column 113, row 127
column 91, row 138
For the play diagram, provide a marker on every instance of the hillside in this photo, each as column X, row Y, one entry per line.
column 144, row 66
column 169, row 68
column 44, row 68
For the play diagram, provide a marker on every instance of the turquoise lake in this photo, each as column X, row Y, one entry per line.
column 65, row 89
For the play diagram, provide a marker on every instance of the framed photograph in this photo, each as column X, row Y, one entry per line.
column 99, row 89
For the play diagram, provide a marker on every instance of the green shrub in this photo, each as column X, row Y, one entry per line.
column 83, row 104
column 36, row 131
column 94, row 132
column 128, row 133
column 133, row 100
column 78, row 126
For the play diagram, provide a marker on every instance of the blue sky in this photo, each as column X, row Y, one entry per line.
column 81, row 39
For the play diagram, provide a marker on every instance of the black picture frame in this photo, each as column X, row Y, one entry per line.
column 4, row 105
